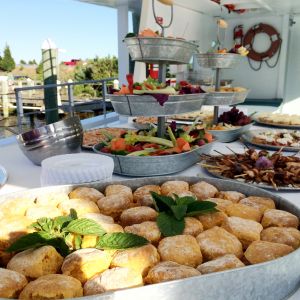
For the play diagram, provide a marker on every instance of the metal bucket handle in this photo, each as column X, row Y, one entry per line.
column 156, row 20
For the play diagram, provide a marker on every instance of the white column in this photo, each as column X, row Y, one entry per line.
column 123, row 57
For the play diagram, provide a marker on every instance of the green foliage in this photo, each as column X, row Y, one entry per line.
column 97, row 68
column 39, row 71
column 22, row 62
column 7, row 63
column 32, row 62
column 84, row 91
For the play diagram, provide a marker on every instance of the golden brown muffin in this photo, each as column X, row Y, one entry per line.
column 81, row 206
column 86, row 193
column 175, row 187
column 203, row 190
column 192, row 226
column 261, row 203
column 83, row 264
column 230, row 195
column 11, row 284
column 16, row 207
column 182, row 249
column 136, row 215
column 279, row 218
column 36, row 212
column 119, row 189
column 139, row 259
column 222, row 204
column 283, row 235
column 111, row 280
column 222, row 263
column 149, row 230
column 247, row 231
column 142, row 194
column 244, row 211
column 53, row 286
column 261, row 251
column 113, row 205
column 52, row 199
column 213, row 219
column 216, row 242
column 34, row 263
column 169, row 270
column 11, row 228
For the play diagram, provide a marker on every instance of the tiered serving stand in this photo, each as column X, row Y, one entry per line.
column 219, row 61
column 163, row 51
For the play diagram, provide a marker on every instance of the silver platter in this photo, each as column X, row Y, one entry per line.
column 276, row 125
column 146, row 105
column 226, row 98
column 141, row 166
column 219, row 60
column 259, row 185
column 273, row 280
column 3, row 176
column 248, row 136
column 160, row 50
column 227, row 136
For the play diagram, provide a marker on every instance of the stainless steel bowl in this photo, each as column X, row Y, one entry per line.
column 62, row 137
column 219, row 60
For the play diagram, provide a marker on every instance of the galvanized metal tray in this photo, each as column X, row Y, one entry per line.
column 219, row 60
column 141, row 166
column 146, row 105
column 247, row 137
column 273, row 280
column 160, row 50
column 276, row 125
column 230, row 135
column 288, row 188
column 226, row 98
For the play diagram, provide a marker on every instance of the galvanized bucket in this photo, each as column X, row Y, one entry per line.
column 159, row 49
column 140, row 166
column 146, row 105
column 219, row 60
column 226, row 98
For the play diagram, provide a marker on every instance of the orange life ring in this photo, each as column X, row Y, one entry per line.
column 274, row 38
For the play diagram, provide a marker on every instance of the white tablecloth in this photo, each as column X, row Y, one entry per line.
column 23, row 174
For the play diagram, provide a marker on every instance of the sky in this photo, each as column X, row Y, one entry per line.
column 83, row 30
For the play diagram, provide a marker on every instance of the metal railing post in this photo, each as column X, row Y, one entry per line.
column 20, row 111
column 71, row 99
column 104, row 91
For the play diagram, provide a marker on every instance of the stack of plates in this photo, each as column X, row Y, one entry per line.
column 76, row 169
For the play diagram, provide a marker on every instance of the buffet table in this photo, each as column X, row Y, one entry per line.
column 23, row 174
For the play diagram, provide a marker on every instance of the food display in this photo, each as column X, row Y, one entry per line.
column 103, row 243
column 280, row 138
column 146, row 143
column 270, row 170
column 280, row 120
column 96, row 136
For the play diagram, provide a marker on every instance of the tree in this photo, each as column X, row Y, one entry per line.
column 32, row 62
column 7, row 63
column 22, row 62
column 39, row 71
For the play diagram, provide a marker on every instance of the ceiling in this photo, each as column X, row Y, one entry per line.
column 276, row 7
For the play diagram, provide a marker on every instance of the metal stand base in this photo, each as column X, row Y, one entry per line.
column 217, row 88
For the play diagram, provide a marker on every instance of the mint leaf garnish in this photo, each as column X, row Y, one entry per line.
column 162, row 203
column 179, row 211
column 185, row 200
column 120, row 240
column 169, row 225
column 200, row 207
column 85, row 227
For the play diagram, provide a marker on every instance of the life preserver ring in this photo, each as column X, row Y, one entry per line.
column 274, row 38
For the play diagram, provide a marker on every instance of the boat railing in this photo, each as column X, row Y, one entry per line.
column 70, row 107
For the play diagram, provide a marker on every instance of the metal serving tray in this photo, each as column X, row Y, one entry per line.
column 142, row 166
column 273, row 280
column 226, row 98
column 160, row 50
column 227, row 136
column 219, row 60
column 146, row 105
